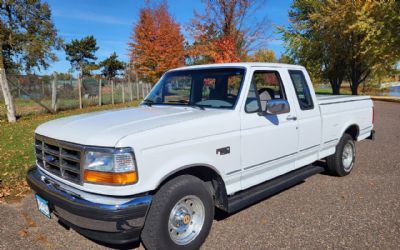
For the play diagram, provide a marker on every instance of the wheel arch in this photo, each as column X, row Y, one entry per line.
column 206, row 173
column 353, row 130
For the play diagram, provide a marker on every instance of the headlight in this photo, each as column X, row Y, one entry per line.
column 110, row 166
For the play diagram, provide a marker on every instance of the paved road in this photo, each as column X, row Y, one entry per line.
column 359, row 211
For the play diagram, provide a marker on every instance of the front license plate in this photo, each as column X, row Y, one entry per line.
column 43, row 206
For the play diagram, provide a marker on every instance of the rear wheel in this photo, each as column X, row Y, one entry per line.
column 180, row 216
column 341, row 163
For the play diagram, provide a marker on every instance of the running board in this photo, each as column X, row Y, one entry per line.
column 254, row 194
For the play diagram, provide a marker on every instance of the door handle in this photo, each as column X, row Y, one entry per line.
column 290, row 117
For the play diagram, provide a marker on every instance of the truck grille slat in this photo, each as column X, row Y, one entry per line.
column 59, row 158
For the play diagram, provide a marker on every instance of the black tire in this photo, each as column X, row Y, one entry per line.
column 334, row 162
column 155, row 234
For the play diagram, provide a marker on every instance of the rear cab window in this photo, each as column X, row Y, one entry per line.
column 302, row 89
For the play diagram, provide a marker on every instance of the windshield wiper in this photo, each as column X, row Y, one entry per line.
column 192, row 105
column 148, row 102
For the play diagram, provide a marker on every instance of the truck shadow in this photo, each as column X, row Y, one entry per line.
column 132, row 245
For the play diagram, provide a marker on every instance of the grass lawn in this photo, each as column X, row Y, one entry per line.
column 16, row 148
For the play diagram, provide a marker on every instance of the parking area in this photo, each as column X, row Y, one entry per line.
column 359, row 211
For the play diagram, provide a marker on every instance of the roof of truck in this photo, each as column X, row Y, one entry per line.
column 242, row 64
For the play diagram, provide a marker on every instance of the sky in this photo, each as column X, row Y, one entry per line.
column 111, row 23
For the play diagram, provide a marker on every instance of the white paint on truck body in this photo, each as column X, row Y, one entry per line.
column 166, row 139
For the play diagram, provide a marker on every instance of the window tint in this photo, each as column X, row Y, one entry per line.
column 265, row 85
column 302, row 90
column 177, row 89
column 210, row 88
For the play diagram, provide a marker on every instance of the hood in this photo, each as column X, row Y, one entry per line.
column 106, row 128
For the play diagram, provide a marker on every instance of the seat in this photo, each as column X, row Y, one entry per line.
column 265, row 95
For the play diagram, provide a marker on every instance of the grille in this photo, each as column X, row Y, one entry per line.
column 59, row 158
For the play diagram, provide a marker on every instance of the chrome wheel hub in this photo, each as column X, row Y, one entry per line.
column 348, row 157
column 186, row 220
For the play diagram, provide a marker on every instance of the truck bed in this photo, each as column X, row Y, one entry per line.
column 337, row 111
column 331, row 99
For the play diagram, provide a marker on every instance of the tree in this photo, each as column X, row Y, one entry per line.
column 81, row 55
column 344, row 39
column 284, row 58
column 111, row 68
column 157, row 44
column 27, row 40
column 314, row 46
column 227, row 31
column 263, row 55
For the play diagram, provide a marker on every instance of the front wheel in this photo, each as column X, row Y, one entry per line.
column 180, row 216
column 341, row 163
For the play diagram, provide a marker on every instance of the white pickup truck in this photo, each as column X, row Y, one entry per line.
column 220, row 135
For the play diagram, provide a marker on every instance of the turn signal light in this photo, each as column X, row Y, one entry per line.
column 110, row 178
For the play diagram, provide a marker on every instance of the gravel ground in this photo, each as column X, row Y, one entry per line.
column 360, row 211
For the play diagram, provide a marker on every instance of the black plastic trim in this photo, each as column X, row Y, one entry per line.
column 304, row 149
column 258, row 164
column 271, row 187
column 117, row 238
column 372, row 136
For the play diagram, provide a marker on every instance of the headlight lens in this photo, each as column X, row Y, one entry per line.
column 110, row 166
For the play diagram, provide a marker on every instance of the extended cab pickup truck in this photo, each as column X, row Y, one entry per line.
column 219, row 135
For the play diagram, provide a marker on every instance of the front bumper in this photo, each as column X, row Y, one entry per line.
column 114, row 224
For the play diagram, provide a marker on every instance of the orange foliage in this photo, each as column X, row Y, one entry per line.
column 224, row 50
column 156, row 44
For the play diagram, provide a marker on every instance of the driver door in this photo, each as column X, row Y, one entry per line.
column 269, row 142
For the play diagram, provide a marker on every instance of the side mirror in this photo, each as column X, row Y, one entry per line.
column 276, row 107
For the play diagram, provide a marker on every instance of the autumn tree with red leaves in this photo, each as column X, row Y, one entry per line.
column 157, row 44
column 227, row 31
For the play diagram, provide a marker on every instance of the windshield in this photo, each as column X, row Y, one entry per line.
column 212, row 88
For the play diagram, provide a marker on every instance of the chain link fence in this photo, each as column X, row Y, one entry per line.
column 52, row 93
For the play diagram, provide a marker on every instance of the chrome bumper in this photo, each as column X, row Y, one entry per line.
column 116, row 224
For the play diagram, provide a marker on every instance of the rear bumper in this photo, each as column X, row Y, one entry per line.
column 372, row 136
column 114, row 224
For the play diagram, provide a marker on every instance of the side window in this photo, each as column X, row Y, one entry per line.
column 265, row 86
column 302, row 89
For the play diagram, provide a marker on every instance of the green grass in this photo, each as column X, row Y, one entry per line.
column 16, row 148
column 328, row 91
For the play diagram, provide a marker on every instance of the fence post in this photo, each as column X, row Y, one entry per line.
column 80, row 91
column 123, row 92
column 19, row 87
column 112, row 91
column 130, row 87
column 137, row 87
column 54, row 93
column 142, row 89
column 100, row 92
